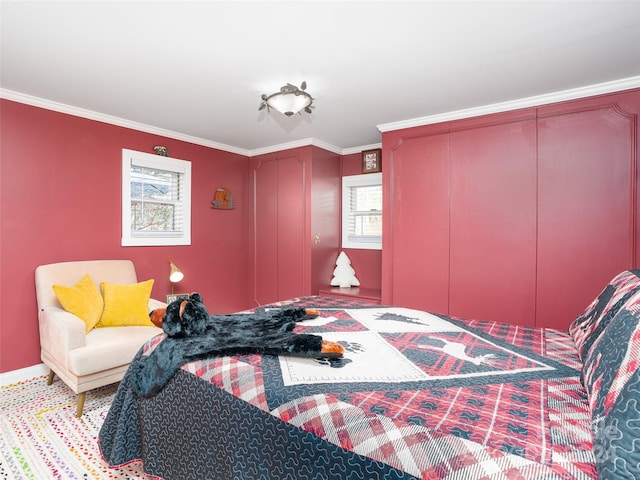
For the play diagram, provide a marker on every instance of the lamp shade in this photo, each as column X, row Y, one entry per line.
column 175, row 275
column 289, row 103
column 289, row 100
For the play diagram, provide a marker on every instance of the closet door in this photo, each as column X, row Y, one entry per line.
column 585, row 228
column 291, row 227
column 419, row 216
column 279, row 225
column 493, row 222
column 265, row 184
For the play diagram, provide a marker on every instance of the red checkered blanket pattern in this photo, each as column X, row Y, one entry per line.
column 513, row 429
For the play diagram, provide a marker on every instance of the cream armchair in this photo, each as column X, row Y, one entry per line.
column 85, row 360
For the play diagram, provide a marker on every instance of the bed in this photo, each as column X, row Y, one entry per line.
column 416, row 395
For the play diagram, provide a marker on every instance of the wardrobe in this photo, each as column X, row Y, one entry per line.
column 520, row 217
column 295, row 222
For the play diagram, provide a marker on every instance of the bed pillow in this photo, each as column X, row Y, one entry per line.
column 125, row 305
column 612, row 379
column 83, row 300
column 586, row 329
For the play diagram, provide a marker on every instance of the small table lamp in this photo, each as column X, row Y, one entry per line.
column 175, row 276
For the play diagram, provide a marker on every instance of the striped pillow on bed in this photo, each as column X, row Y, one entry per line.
column 587, row 328
column 612, row 380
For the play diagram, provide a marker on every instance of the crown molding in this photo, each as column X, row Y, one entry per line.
column 591, row 90
column 327, row 146
column 121, row 122
column 349, row 151
column 536, row 101
column 100, row 117
column 296, row 144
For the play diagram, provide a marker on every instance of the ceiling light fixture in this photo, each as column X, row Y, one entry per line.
column 289, row 100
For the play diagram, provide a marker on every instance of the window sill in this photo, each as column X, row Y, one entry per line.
column 370, row 295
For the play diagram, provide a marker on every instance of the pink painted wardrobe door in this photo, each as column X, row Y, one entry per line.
column 493, row 222
column 419, row 223
column 265, row 178
column 585, row 226
column 291, row 227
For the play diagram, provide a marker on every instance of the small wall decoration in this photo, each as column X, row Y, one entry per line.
column 344, row 275
column 161, row 150
column 222, row 199
column 372, row 161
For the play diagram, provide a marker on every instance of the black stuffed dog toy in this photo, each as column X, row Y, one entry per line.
column 182, row 318
column 193, row 334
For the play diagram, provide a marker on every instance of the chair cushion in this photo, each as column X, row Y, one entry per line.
column 126, row 305
column 108, row 348
column 83, row 300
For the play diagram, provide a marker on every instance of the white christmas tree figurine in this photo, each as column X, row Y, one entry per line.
column 344, row 275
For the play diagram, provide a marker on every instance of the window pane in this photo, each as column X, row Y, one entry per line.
column 156, row 200
column 367, row 198
column 152, row 217
column 362, row 211
column 154, row 184
column 155, row 195
column 368, row 225
column 366, row 212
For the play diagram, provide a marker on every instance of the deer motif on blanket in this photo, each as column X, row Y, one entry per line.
column 459, row 350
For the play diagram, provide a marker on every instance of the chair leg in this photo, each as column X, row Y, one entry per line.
column 50, row 378
column 81, row 398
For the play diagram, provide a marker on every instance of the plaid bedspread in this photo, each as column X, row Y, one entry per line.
column 415, row 396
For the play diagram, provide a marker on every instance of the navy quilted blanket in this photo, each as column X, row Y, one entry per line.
column 416, row 395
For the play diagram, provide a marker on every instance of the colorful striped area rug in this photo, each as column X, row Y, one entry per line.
column 41, row 438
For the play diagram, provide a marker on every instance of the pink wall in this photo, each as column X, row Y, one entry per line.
column 61, row 200
column 366, row 263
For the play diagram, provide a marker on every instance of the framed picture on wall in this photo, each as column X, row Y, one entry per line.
column 372, row 161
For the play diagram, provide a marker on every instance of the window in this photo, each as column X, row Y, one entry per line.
column 362, row 211
column 156, row 200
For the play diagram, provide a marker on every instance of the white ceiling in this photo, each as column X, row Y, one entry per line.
column 196, row 70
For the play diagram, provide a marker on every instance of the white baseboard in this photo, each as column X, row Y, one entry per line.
column 16, row 376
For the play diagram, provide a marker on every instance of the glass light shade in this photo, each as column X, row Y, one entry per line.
column 175, row 275
column 289, row 103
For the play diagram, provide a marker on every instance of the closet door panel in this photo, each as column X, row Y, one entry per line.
column 493, row 223
column 291, row 227
column 585, row 229
column 420, row 218
column 265, row 184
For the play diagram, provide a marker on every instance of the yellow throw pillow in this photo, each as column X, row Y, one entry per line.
column 126, row 305
column 83, row 300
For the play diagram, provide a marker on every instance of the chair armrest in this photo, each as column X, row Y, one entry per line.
column 60, row 332
column 153, row 304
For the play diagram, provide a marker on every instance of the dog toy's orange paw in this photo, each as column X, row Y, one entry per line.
column 332, row 347
column 157, row 316
column 312, row 312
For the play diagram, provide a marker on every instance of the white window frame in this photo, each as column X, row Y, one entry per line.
column 148, row 160
column 349, row 182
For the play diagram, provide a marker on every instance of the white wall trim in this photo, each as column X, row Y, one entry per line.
column 121, row 122
column 295, row 144
column 23, row 374
column 316, row 143
column 538, row 100
column 572, row 94
column 373, row 146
